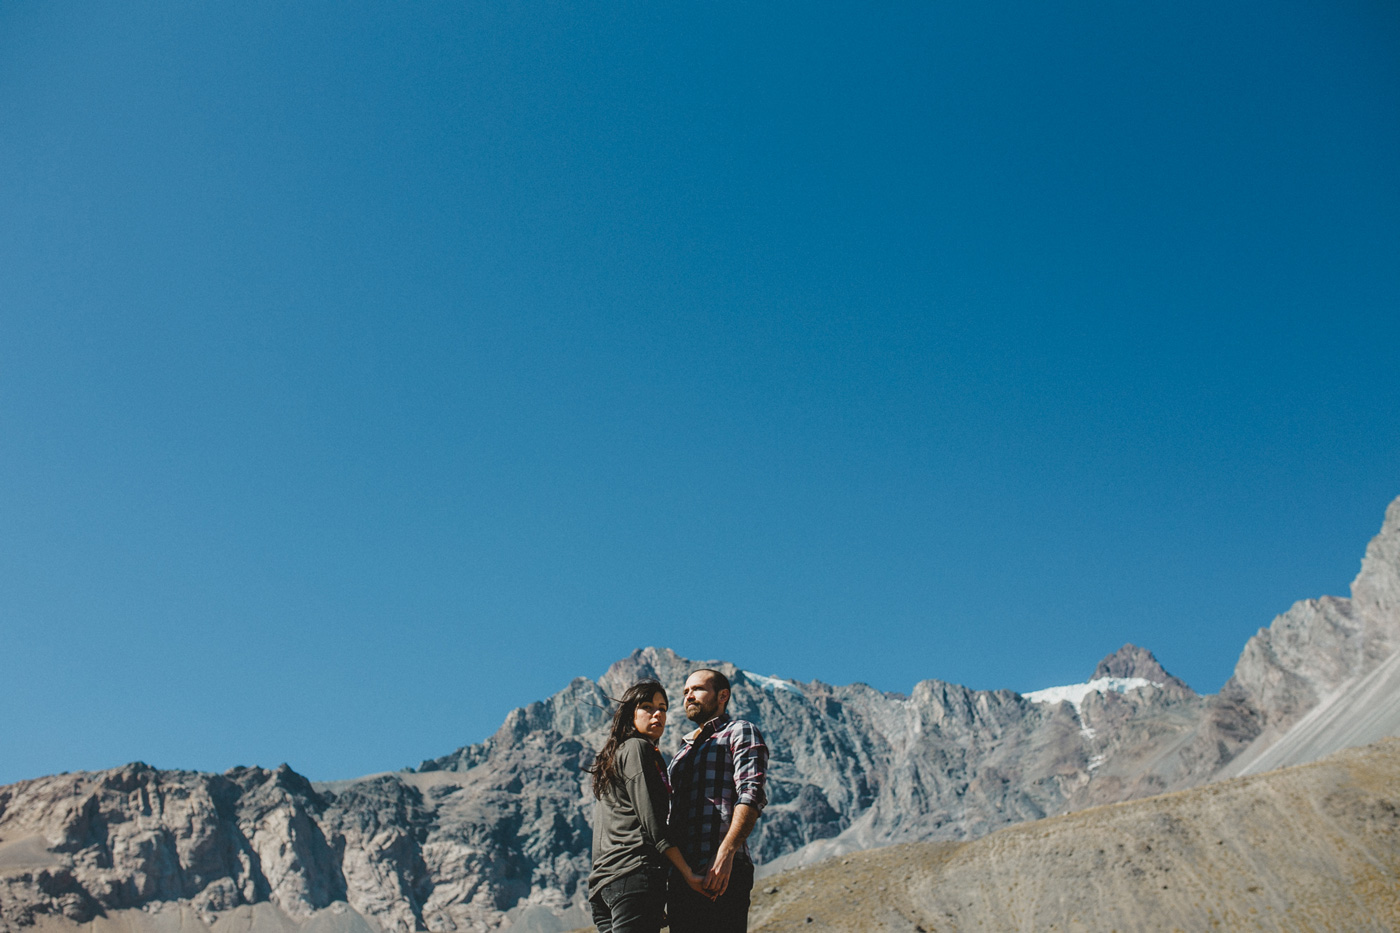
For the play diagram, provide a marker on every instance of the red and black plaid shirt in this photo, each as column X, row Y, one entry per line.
column 725, row 765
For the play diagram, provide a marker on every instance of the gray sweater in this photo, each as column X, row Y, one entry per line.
column 629, row 825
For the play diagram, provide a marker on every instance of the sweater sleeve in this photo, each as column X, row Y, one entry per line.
column 647, row 791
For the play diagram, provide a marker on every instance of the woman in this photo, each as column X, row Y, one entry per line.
column 627, row 887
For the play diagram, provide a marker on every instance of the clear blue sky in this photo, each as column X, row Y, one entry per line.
column 369, row 370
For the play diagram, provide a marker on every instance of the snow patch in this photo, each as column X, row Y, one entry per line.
column 773, row 684
column 1075, row 693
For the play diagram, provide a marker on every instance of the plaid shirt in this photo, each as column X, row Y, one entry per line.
column 725, row 764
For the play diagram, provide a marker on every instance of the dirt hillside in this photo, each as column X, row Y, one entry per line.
column 1316, row 847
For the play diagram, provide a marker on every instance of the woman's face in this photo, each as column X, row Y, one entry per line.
column 650, row 717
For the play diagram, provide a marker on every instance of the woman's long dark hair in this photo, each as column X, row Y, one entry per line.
column 605, row 775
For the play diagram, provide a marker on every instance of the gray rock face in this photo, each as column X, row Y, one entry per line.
column 499, row 832
column 131, row 836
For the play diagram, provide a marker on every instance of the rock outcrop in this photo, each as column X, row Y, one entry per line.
column 498, row 833
column 78, row 845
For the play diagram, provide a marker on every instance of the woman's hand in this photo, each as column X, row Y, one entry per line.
column 697, row 884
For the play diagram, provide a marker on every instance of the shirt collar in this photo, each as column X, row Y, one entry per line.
column 708, row 728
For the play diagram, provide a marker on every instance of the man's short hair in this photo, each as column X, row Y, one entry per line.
column 718, row 681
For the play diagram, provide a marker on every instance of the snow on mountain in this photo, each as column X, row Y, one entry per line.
column 772, row 683
column 1075, row 693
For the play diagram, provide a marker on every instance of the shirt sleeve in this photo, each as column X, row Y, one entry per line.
column 750, row 766
column 647, row 791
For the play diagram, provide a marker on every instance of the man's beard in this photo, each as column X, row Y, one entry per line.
column 700, row 714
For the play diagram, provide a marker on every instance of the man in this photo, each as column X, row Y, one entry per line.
column 717, row 793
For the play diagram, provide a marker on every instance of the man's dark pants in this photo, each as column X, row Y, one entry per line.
column 694, row 913
column 631, row 904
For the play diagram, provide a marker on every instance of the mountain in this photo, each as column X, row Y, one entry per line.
column 497, row 834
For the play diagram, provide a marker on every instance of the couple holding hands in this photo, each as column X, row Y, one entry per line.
column 672, row 841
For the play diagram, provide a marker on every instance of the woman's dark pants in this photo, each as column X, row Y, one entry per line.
column 631, row 904
column 693, row 913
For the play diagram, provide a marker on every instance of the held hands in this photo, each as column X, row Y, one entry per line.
column 697, row 884
column 717, row 878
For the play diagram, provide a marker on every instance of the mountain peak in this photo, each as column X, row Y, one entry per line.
column 1376, row 589
column 1132, row 661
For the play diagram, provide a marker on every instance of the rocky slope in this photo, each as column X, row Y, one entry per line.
column 497, row 833
column 1313, row 847
column 77, row 845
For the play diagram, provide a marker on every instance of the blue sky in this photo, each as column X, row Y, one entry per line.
column 369, row 370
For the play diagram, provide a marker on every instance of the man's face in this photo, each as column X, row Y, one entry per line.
column 702, row 702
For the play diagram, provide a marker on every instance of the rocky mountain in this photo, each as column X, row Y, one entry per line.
column 497, row 834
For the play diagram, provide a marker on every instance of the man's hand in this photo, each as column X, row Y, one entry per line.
column 717, row 878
